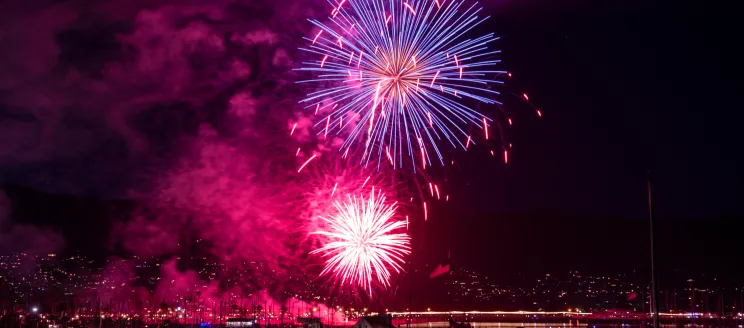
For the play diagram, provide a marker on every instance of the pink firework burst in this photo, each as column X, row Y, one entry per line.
column 362, row 244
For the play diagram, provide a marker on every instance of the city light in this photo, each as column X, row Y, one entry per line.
column 580, row 292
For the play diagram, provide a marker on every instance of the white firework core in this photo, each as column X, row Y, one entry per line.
column 362, row 243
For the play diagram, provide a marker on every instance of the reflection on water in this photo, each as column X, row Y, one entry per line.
column 572, row 324
column 445, row 324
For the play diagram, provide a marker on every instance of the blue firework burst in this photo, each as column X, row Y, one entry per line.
column 401, row 77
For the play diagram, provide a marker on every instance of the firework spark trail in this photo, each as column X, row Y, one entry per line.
column 398, row 45
column 362, row 243
column 306, row 162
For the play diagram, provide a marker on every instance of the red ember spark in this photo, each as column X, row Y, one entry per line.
column 308, row 161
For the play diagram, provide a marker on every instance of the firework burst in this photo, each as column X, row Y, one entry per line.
column 362, row 244
column 400, row 77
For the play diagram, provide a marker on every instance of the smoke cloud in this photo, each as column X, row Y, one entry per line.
column 184, row 107
column 170, row 103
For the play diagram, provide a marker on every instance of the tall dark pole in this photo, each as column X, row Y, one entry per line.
column 410, row 291
column 654, row 290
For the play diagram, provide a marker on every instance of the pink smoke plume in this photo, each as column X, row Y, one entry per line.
column 235, row 201
column 187, row 289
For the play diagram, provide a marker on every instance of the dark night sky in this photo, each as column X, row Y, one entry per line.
column 624, row 88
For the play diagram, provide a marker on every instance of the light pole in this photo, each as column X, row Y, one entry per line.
column 692, row 296
column 654, row 287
